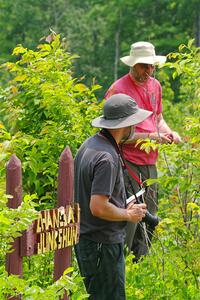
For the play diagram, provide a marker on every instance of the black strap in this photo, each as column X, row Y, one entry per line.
column 127, row 170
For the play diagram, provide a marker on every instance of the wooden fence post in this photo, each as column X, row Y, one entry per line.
column 62, row 257
column 14, row 188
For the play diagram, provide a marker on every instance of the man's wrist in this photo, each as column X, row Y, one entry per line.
column 151, row 136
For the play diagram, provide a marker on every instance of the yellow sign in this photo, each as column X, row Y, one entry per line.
column 57, row 228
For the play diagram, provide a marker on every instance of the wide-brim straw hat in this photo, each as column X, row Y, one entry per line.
column 143, row 52
column 120, row 111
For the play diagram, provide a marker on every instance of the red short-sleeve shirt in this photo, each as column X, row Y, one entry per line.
column 148, row 96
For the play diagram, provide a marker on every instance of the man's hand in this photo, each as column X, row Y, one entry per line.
column 163, row 138
column 165, row 130
column 136, row 212
column 175, row 137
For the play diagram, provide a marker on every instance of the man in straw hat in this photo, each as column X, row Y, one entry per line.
column 147, row 92
column 100, row 192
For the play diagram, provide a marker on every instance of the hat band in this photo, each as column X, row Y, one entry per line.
column 144, row 53
column 124, row 115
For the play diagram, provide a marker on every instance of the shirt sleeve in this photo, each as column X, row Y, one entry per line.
column 105, row 173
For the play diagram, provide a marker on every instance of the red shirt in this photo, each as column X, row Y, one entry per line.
column 148, row 96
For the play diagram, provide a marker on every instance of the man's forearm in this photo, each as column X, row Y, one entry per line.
column 163, row 127
column 101, row 208
column 110, row 212
column 138, row 136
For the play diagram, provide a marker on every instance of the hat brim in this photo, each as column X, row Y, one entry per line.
column 153, row 60
column 133, row 119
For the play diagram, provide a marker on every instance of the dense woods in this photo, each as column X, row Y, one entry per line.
column 57, row 60
column 99, row 31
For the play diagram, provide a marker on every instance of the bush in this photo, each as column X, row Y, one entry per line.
column 43, row 109
column 171, row 270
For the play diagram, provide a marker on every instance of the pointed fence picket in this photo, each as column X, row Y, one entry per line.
column 25, row 245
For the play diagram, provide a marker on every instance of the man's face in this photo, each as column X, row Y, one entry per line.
column 141, row 72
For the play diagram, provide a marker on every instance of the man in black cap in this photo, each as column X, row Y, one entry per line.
column 100, row 192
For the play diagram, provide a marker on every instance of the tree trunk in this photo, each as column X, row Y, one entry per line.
column 117, row 44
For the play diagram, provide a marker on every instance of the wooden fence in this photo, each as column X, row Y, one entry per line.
column 56, row 229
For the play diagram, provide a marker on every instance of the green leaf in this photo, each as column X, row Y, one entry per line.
column 19, row 50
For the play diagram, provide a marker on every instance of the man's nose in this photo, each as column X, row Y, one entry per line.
column 149, row 67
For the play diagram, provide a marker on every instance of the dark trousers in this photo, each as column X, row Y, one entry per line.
column 138, row 236
column 103, row 269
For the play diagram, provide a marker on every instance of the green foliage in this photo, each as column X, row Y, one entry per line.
column 99, row 31
column 185, row 64
column 171, row 270
column 14, row 286
column 44, row 109
column 14, row 221
column 166, row 273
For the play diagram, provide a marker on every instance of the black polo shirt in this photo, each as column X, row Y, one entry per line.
column 98, row 171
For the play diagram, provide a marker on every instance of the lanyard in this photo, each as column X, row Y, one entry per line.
column 133, row 175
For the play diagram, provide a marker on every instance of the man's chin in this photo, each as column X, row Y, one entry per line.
column 143, row 79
